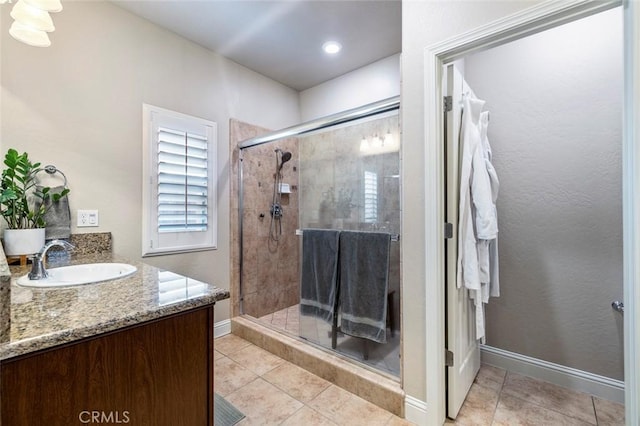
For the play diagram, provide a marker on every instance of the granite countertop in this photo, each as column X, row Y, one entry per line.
column 43, row 318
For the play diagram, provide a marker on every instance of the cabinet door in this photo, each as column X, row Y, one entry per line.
column 158, row 373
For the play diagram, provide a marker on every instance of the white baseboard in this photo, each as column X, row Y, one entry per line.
column 582, row 381
column 415, row 410
column 221, row 328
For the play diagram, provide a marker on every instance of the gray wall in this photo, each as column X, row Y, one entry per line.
column 555, row 100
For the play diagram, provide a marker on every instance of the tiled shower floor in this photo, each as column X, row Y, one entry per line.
column 384, row 357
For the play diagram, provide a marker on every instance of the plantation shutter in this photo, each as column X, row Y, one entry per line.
column 182, row 181
column 179, row 207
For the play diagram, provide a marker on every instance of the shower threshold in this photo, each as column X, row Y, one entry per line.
column 382, row 358
column 377, row 387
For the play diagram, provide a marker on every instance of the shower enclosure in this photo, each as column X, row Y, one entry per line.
column 339, row 173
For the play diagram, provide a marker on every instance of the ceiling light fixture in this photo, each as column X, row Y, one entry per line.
column 28, row 35
column 48, row 5
column 32, row 17
column 331, row 47
column 32, row 21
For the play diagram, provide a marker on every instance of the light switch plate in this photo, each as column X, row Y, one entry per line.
column 87, row 218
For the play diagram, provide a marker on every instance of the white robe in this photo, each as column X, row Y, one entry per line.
column 478, row 220
column 488, row 249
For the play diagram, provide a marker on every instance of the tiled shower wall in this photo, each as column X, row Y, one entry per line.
column 270, row 270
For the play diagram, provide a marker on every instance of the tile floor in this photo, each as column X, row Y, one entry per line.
column 272, row 391
column 498, row 397
column 383, row 357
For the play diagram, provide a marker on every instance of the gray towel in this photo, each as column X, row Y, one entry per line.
column 318, row 286
column 58, row 217
column 364, row 284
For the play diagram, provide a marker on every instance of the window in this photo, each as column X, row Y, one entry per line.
column 179, row 203
column 370, row 197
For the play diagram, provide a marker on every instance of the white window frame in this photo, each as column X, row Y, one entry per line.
column 156, row 243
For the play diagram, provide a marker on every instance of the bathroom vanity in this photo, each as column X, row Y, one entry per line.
column 135, row 350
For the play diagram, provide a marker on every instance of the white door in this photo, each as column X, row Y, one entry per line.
column 460, row 332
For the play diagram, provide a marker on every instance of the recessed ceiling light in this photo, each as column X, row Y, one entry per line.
column 331, row 47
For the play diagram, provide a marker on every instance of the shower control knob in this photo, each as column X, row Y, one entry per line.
column 276, row 211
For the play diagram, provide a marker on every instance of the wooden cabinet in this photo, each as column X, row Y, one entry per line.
column 156, row 373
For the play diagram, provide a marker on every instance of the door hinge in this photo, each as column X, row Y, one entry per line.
column 448, row 230
column 448, row 103
column 448, row 358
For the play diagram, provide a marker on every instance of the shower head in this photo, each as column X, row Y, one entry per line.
column 284, row 157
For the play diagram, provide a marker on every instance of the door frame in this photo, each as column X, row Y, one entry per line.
column 530, row 21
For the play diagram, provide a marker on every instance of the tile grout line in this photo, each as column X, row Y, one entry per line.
column 595, row 411
column 556, row 410
column 289, row 394
column 327, row 416
column 285, row 391
column 495, row 409
column 232, row 352
column 553, row 410
column 241, row 387
column 292, row 414
column 319, row 413
column 286, row 318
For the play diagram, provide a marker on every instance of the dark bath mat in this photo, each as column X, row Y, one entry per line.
column 224, row 413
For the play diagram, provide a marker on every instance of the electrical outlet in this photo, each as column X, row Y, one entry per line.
column 87, row 218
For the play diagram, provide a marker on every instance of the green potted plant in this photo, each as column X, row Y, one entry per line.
column 23, row 204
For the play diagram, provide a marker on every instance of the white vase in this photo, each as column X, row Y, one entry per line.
column 23, row 241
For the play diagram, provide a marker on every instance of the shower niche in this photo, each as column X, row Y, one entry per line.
column 342, row 177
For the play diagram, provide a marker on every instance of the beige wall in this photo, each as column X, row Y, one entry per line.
column 423, row 24
column 371, row 83
column 78, row 105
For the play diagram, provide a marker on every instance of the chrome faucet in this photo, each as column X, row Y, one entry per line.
column 38, row 271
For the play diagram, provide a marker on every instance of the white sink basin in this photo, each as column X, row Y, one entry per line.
column 79, row 274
